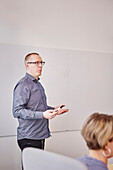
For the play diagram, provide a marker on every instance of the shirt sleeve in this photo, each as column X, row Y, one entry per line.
column 21, row 96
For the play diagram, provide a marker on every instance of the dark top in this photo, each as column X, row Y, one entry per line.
column 93, row 164
column 29, row 103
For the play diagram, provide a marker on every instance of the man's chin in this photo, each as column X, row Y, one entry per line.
column 39, row 74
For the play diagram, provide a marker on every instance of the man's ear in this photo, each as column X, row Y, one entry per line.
column 26, row 65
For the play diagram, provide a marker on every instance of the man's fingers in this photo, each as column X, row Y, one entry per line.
column 62, row 111
column 54, row 113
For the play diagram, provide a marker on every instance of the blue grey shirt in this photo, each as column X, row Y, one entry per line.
column 29, row 103
column 93, row 164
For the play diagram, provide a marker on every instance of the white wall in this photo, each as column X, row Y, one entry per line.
column 69, row 24
column 82, row 29
column 9, row 154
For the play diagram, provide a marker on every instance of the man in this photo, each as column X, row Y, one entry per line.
column 30, row 106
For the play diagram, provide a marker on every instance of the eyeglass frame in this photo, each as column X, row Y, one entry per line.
column 36, row 62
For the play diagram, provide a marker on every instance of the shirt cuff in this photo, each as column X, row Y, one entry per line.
column 39, row 115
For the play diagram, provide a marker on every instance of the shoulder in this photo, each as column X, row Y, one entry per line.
column 92, row 163
column 24, row 82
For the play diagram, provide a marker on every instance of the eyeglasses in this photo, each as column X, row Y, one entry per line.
column 36, row 62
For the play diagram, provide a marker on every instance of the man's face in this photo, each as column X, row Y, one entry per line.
column 34, row 69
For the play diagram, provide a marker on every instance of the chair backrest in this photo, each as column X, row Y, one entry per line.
column 37, row 159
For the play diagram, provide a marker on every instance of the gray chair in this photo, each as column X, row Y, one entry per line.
column 37, row 159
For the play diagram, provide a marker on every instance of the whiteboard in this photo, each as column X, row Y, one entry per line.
column 82, row 80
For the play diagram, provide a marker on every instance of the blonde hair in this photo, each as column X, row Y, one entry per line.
column 98, row 130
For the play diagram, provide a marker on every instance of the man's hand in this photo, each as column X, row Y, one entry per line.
column 49, row 114
column 61, row 111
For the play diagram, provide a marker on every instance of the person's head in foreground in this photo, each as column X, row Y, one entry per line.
column 98, row 134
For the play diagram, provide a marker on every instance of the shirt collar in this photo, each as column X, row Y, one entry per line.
column 31, row 77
